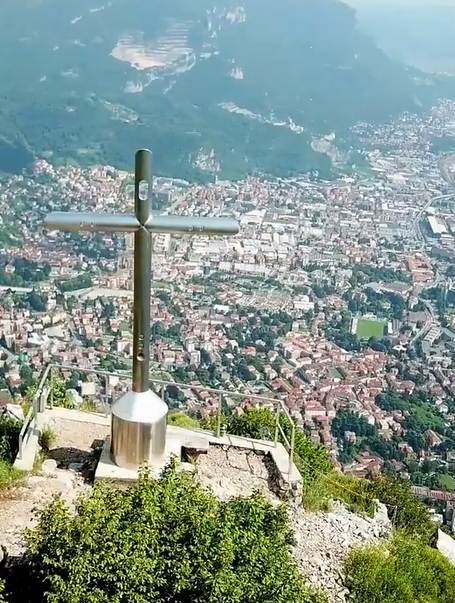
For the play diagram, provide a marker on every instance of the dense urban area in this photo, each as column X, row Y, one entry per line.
column 335, row 297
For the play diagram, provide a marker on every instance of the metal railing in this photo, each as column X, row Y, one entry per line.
column 44, row 394
column 37, row 405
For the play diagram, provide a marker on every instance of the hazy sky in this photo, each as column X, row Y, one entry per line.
column 406, row 2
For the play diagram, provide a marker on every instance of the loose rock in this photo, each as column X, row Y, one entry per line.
column 49, row 466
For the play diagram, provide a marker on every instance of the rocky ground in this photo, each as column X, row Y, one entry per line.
column 75, row 441
column 233, row 472
column 17, row 510
column 322, row 539
column 71, row 463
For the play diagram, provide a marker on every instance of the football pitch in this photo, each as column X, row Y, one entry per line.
column 368, row 327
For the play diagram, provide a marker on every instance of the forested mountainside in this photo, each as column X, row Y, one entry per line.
column 209, row 86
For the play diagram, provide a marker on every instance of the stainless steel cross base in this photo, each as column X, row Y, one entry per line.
column 138, row 429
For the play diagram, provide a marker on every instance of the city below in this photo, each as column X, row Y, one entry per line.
column 335, row 297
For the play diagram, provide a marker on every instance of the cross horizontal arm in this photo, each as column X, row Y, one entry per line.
column 99, row 222
column 192, row 225
column 93, row 222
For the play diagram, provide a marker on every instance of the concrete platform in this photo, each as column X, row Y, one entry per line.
column 178, row 442
column 69, row 414
column 181, row 440
column 48, row 419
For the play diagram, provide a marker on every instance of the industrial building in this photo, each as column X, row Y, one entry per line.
column 438, row 227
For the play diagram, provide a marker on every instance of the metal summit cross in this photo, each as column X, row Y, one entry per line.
column 138, row 426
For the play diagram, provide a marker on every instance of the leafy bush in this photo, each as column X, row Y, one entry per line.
column 9, row 438
column 61, row 397
column 179, row 419
column 352, row 491
column 165, row 540
column 46, row 438
column 403, row 570
column 8, row 475
column 407, row 512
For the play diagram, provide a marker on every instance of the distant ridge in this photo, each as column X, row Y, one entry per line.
column 238, row 89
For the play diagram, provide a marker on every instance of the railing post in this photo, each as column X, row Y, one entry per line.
column 218, row 418
column 51, row 381
column 291, row 452
column 277, row 424
column 39, row 400
column 106, row 396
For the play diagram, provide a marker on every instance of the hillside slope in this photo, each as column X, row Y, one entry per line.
column 208, row 86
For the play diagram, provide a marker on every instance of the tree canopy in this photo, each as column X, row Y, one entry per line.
column 402, row 570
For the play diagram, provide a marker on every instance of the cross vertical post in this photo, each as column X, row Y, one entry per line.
column 142, row 273
column 138, row 421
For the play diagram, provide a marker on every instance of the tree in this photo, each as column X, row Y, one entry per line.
column 403, row 570
column 165, row 540
column 406, row 510
column 346, row 420
column 36, row 301
column 26, row 375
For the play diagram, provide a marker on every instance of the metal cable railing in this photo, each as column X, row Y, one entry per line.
column 44, row 394
column 38, row 403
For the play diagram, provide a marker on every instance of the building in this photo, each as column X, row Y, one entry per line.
column 437, row 226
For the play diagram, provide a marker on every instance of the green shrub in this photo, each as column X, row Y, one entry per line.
column 407, row 512
column 46, row 438
column 401, row 571
column 9, row 438
column 8, row 475
column 179, row 419
column 60, row 394
column 88, row 406
column 352, row 491
column 165, row 540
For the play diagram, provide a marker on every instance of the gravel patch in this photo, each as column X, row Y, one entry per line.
column 232, row 472
column 76, row 441
column 17, row 512
column 74, row 448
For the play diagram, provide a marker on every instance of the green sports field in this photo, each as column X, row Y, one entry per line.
column 368, row 327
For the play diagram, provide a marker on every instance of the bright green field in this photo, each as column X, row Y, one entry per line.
column 447, row 481
column 367, row 328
